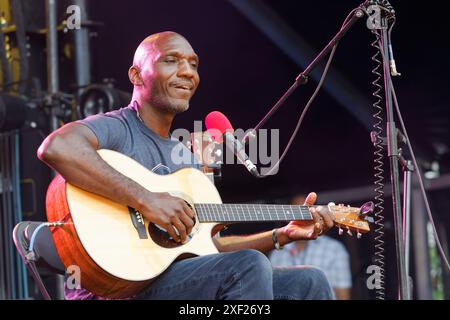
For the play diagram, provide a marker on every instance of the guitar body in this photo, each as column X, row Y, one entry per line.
column 116, row 259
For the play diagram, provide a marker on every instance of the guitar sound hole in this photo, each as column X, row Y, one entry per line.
column 163, row 239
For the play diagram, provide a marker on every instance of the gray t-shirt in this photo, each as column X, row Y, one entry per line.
column 123, row 131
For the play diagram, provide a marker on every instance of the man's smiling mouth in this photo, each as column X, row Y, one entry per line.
column 183, row 86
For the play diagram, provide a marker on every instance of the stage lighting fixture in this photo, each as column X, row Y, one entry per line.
column 101, row 98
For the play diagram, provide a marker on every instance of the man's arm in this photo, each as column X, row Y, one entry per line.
column 72, row 152
column 261, row 242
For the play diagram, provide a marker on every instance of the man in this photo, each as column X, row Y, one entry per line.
column 165, row 76
column 325, row 253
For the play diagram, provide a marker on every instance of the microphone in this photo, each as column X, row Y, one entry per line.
column 218, row 121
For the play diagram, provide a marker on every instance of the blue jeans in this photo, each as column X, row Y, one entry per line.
column 241, row 275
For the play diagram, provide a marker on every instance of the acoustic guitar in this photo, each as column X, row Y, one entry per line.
column 119, row 252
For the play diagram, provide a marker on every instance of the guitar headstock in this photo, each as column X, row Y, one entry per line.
column 352, row 218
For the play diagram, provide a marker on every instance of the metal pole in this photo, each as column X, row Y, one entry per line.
column 52, row 58
column 82, row 49
column 53, row 88
column 408, row 168
column 421, row 250
column 393, row 156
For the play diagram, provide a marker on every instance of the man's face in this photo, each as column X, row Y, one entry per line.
column 170, row 74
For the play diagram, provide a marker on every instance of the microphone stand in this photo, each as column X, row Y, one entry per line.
column 392, row 144
column 303, row 77
column 394, row 159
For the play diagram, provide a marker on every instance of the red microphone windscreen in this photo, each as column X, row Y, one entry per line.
column 217, row 124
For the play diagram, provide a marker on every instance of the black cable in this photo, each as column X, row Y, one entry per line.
column 302, row 116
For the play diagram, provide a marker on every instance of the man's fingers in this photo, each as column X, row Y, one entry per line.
column 171, row 231
column 188, row 210
column 329, row 223
column 318, row 224
column 181, row 229
column 187, row 221
column 316, row 216
column 311, row 199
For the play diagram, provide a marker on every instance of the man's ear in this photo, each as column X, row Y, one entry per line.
column 135, row 76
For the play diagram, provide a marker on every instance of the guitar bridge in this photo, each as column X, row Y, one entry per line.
column 138, row 222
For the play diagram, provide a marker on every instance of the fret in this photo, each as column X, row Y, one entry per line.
column 225, row 208
column 243, row 212
column 210, row 214
column 255, row 213
column 299, row 208
column 205, row 212
column 278, row 217
column 284, row 212
column 218, row 212
column 228, row 212
column 306, row 214
column 237, row 212
column 215, row 211
column 232, row 209
column 223, row 212
column 271, row 210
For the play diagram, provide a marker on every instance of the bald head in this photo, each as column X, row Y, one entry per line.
column 164, row 72
column 150, row 45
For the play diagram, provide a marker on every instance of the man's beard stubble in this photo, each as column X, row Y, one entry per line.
column 165, row 104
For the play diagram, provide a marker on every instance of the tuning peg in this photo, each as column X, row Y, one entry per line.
column 340, row 231
column 349, row 232
column 358, row 234
column 366, row 208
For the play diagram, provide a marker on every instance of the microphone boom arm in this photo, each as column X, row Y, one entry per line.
column 303, row 77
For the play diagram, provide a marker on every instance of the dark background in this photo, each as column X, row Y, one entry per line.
column 243, row 73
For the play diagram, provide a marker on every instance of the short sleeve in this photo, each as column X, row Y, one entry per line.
column 111, row 131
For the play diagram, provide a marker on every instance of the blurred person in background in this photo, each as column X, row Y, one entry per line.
column 325, row 253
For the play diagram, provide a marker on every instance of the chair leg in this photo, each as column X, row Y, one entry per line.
column 20, row 240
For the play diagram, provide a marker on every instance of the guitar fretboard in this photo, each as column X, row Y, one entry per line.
column 218, row 212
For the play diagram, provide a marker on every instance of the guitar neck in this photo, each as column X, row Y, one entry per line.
column 228, row 213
